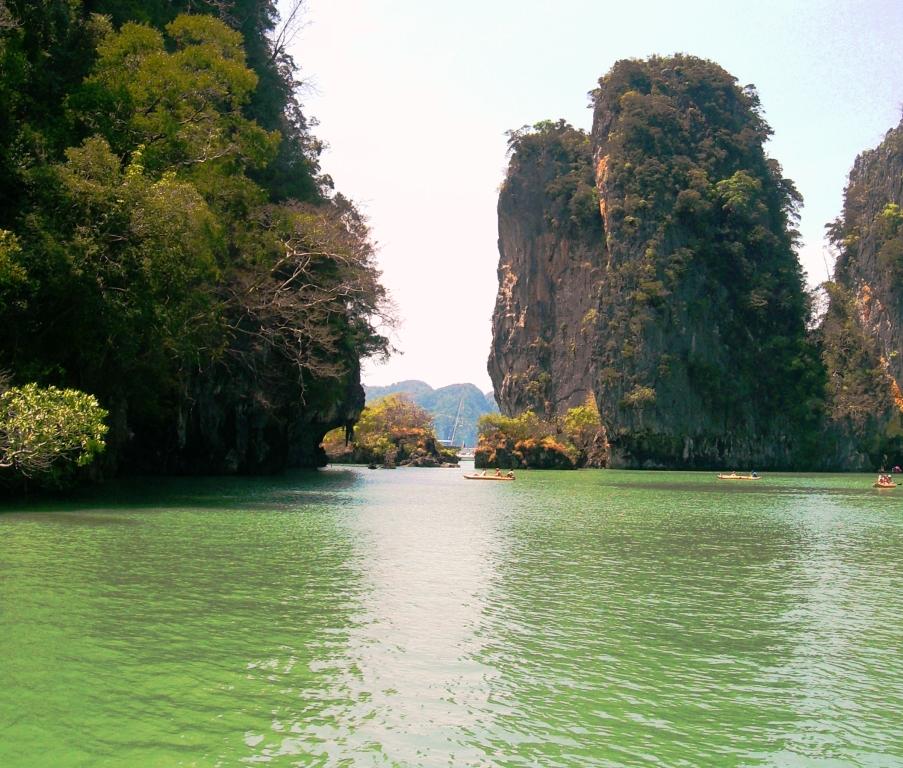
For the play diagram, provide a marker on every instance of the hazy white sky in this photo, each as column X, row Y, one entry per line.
column 414, row 98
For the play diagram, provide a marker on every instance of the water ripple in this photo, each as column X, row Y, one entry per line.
column 409, row 618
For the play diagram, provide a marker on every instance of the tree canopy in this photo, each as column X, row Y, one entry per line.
column 163, row 222
column 392, row 429
column 46, row 432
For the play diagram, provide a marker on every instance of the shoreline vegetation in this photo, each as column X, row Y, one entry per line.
column 393, row 431
column 47, row 435
column 573, row 441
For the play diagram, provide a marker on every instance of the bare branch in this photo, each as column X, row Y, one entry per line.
column 288, row 30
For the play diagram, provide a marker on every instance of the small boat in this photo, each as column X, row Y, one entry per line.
column 884, row 481
column 735, row 476
column 488, row 477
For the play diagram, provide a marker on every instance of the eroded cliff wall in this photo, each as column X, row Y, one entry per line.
column 697, row 352
column 551, row 249
column 862, row 333
column 703, row 360
column 241, row 420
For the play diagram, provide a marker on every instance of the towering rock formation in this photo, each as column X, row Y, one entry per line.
column 691, row 299
column 551, row 250
column 704, row 359
column 862, row 333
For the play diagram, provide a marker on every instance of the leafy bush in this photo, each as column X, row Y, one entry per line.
column 638, row 397
column 391, row 429
column 527, row 426
column 530, row 441
column 581, row 425
column 45, row 433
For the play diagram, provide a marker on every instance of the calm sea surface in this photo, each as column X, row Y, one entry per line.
column 410, row 617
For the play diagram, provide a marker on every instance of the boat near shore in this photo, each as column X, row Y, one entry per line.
column 735, row 476
column 488, row 477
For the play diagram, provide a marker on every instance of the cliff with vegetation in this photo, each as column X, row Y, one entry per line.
column 698, row 354
column 550, row 257
column 862, row 332
column 168, row 244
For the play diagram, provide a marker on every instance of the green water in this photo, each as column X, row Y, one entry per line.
column 377, row 618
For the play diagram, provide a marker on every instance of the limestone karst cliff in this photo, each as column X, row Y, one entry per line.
column 688, row 319
column 247, row 421
column 551, row 248
column 862, row 333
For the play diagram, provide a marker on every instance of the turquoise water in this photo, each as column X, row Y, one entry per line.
column 410, row 617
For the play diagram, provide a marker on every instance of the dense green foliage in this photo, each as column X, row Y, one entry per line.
column 163, row 222
column 455, row 408
column 704, row 292
column 860, row 385
column 530, row 441
column 391, row 430
column 46, row 433
column 572, row 205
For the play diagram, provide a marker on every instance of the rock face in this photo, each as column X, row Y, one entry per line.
column 246, row 422
column 862, row 333
column 551, row 249
column 680, row 302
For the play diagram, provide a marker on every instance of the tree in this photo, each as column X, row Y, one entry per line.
column 526, row 426
column 582, row 425
column 521, row 441
column 314, row 292
column 392, row 429
column 7, row 21
column 395, row 418
column 46, row 432
column 184, row 106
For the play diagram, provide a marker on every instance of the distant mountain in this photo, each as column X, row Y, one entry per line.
column 464, row 401
column 410, row 387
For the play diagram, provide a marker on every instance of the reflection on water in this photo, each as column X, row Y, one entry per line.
column 411, row 618
column 407, row 682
